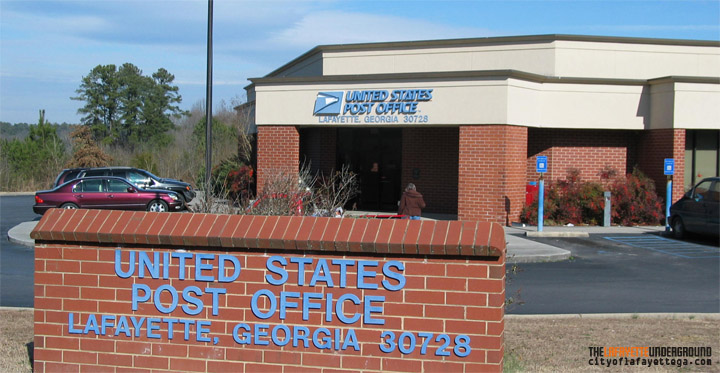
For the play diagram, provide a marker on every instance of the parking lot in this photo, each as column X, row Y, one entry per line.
column 621, row 273
column 683, row 249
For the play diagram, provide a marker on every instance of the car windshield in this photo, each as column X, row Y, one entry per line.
column 141, row 178
column 149, row 174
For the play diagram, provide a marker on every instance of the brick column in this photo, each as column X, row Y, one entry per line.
column 655, row 146
column 278, row 151
column 492, row 173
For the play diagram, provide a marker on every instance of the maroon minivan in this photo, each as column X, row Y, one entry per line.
column 106, row 192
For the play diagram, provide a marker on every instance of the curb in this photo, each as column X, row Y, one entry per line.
column 557, row 234
column 13, row 194
column 662, row 315
column 539, row 258
column 20, row 234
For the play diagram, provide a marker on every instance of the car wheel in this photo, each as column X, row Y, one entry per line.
column 69, row 206
column 678, row 227
column 157, row 206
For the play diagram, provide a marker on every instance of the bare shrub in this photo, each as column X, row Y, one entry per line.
column 284, row 193
column 302, row 193
column 333, row 191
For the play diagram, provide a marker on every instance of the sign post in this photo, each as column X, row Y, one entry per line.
column 541, row 167
column 669, row 169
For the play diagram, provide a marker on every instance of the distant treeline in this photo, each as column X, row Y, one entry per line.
column 19, row 131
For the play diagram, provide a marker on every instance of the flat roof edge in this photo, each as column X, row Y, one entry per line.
column 487, row 74
column 545, row 38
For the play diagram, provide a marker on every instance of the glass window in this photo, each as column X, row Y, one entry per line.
column 702, row 155
column 95, row 173
column 118, row 173
column 701, row 190
column 94, row 185
column 117, row 186
column 136, row 178
column 706, row 155
column 714, row 193
column 72, row 175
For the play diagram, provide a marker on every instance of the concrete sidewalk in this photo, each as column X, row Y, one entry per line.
column 520, row 249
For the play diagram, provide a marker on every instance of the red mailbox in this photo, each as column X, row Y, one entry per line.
column 531, row 193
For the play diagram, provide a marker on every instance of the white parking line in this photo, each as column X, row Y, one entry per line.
column 668, row 246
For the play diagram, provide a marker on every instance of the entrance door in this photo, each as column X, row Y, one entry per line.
column 375, row 154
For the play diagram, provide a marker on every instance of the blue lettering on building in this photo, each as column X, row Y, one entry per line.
column 376, row 106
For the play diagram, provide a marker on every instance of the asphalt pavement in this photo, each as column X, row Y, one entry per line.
column 17, row 261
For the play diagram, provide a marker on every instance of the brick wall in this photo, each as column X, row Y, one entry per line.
column 433, row 152
column 445, row 278
column 492, row 173
column 654, row 147
column 319, row 146
column 588, row 151
column 278, row 151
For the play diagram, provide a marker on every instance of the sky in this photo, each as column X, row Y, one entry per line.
column 48, row 46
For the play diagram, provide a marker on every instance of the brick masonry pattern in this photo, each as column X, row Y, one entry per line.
column 280, row 151
column 452, row 288
column 492, row 173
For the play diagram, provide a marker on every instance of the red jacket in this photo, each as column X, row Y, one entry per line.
column 411, row 203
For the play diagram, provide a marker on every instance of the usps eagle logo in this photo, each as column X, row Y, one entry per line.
column 328, row 103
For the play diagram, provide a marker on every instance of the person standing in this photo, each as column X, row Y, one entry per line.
column 411, row 203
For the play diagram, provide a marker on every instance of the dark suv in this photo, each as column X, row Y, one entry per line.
column 139, row 177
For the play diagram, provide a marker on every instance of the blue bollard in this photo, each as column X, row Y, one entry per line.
column 541, row 202
column 668, row 202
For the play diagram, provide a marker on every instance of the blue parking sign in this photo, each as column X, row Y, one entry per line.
column 669, row 166
column 541, row 164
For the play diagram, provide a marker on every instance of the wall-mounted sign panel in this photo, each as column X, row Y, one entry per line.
column 372, row 106
column 541, row 164
column 669, row 166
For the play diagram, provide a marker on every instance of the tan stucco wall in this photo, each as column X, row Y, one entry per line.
column 533, row 58
column 560, row 58
column 502, row 101
column 634, row 61
column 697, row 106
column 583, row 82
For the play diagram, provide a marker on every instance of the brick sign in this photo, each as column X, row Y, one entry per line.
column 217, row 292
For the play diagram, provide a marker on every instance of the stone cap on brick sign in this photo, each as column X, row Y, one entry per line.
column 420, row 237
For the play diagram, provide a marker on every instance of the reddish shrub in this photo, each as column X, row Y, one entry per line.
column 568, row 201
column 635, row 201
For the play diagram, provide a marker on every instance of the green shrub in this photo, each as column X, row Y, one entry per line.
column 145, row 161
column 233, row 180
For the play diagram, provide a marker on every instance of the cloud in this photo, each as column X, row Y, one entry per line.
column 54, row 43
column 339, row 27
